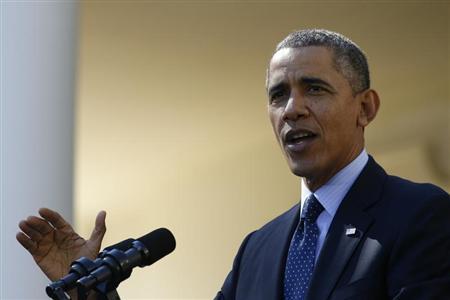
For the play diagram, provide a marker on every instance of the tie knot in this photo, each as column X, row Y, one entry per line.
column 312, row 209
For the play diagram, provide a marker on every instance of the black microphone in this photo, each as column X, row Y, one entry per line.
column 123, row 245
column 117, row 265
column 82, row 267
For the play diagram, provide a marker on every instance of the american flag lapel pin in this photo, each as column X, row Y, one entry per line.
column 350, row 231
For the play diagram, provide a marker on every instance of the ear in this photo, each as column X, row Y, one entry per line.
column 370, row 103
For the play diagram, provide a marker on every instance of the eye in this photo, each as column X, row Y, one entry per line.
column 315, row 90
column 277, row 96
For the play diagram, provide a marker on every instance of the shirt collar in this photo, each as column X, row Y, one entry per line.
column 330, row 194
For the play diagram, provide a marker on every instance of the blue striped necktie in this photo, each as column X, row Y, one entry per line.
column 302, row 252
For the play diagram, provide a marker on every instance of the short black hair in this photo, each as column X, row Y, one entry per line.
column 349, row 59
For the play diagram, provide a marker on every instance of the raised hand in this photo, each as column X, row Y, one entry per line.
column 54, row 244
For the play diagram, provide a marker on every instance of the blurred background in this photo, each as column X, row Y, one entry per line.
column 156, row 112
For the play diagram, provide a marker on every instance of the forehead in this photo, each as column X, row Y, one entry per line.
column 314, row 61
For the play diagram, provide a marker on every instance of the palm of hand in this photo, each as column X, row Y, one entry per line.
column 59, row 248
column 54, row 244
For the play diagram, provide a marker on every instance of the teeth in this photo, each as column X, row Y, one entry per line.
column 301, row 135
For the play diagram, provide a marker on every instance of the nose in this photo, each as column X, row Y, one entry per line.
column 295, row 107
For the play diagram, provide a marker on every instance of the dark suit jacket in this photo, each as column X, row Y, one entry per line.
column 401, row 249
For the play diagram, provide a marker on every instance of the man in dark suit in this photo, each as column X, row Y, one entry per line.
column 359, row 234
column 368, row 235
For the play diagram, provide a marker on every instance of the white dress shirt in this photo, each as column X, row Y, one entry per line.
column 331, row 194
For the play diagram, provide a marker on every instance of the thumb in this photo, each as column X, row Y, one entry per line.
column 99, row 229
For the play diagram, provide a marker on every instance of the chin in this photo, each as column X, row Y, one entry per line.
column 308, row 168
column 299, row 169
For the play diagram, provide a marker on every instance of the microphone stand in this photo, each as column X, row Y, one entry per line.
column 116, row 266
column 104, row 274
column 59, row 294
column 82, row 267
column 106, row 290
column 79, row 268
column 103, row 292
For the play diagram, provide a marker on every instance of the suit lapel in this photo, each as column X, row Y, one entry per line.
column 336, row 251
column 262, row 268
column 340, row 244
column 275, row 264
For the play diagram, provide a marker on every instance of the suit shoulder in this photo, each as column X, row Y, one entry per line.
column 404, row 188
column 414, row 199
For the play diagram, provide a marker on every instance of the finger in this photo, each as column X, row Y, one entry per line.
column 40, row 225
column 100, row 228
column 28, row 230
column 54, row 218
column 26, row 242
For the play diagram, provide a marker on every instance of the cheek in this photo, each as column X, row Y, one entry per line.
column 275, row 119
column 324, row 115
column 334, row 115
column 341, row 127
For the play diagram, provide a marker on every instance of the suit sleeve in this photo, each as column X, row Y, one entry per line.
column 419, row 267
column 228, row 290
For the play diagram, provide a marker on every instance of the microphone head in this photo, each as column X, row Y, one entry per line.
column 159, row 242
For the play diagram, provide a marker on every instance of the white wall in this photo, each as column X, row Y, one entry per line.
column 37, row 87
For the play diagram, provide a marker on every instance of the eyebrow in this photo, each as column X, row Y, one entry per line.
column 302, row 80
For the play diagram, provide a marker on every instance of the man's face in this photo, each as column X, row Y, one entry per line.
column 313, row 112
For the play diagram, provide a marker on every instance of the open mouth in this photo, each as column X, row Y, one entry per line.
column 297, row 140
column 296, row 137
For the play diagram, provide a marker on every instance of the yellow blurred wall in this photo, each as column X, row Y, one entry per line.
column 171, row 124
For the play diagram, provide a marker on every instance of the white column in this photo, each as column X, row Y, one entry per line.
column 38, row 51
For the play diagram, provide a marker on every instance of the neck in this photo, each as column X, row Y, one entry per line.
column 314, row 183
